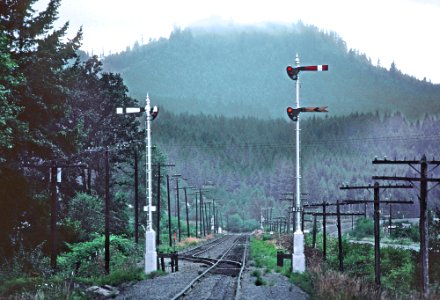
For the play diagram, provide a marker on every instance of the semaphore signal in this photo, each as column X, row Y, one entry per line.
column 298, row 257
column 294, row 112
column 150, row 238
column 293, row 72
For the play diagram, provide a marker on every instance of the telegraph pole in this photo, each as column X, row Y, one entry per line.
column 376, row 202
column 202, row 218
column 107, row 213
column 324, row 215
column 159, row 177
column 197, row 216
column 187, row 216
column 178, row 208
column 55, row 177
column 169, row 212
column 423, row 202
column 188, row 234
column 53, row 216
column 136, row 197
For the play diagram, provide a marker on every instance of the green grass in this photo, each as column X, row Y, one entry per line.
column 256, row 273
column 264, row 254
column 115, row 278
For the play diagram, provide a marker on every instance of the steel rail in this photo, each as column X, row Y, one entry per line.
column 190, row 285
column 238, row 289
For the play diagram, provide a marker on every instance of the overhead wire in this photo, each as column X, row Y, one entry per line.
column 310, row 143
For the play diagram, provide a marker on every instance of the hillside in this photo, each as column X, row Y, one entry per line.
column 240, row 71
column 251, row 161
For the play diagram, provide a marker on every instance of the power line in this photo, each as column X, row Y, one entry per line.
column 311, row 142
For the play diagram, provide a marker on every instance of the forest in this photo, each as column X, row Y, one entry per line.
column 234, row 70
column 222, row 122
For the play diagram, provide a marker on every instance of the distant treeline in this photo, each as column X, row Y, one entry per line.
column 253, row 159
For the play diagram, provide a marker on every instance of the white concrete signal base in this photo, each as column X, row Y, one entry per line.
column 298, row 257
column 150, row 251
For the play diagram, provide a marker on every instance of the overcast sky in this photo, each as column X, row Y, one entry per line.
column 403, row 31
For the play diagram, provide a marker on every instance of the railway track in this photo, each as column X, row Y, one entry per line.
column 225, row 261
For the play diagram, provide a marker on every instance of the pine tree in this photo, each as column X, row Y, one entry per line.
column 42, row 57
column 33, row 59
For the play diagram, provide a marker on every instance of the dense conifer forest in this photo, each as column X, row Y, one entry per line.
column 253, row 160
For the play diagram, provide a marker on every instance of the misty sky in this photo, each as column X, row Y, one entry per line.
column 403, row 31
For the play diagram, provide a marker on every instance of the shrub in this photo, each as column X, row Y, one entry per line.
column 87, row 258
column 364, row 227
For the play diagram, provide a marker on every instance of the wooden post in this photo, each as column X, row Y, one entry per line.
column 324, row 231
column 302, row 221
column 341, row 255
column 136, row 198
column 178, row 208
column 197, row 216
column 159, row 177
column 376, row 234
column 314, row 232
column 187, row 218
column 423, row 198
column 279, row 258
column 176, row 261
column 423, row 224
column 169, row 212
column 205, row 216
column 107, row 213
column 162, row 263
column 53, row 216
column 202, row 216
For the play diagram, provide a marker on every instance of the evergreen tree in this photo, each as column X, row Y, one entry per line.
column 42, row 56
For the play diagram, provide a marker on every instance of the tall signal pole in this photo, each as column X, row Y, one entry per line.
column 298, row 257
column 150, row 235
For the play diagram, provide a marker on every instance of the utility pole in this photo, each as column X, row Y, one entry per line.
column 298, row 257
column 188, row 234
column 169, row 211
column 136, row 197
column 291, row 198
column 159, row 177
column 423, row 202
column 197, row 216
column 202, row 215
column 376, row 202
column 150, row 236
column 55, row 177
column 207, row 221
column 53, row 216
column 107, row 213
column 324, row 215
column 178, row 204
column 187, row 217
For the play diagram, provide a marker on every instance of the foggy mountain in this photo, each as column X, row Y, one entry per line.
column 234, row 70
